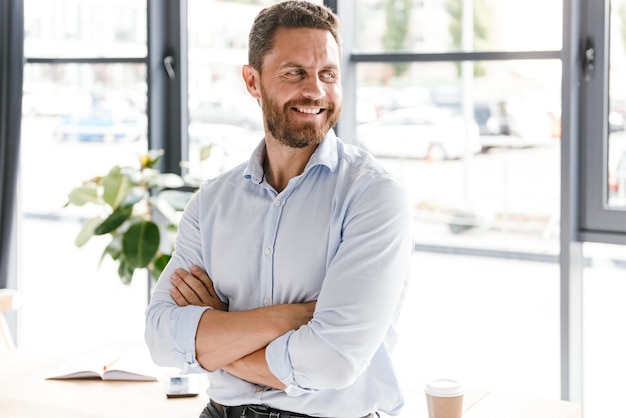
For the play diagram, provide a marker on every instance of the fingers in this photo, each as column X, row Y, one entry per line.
column 178, row 297
column 201, row 282
column 190, row 288
column 200, row 274
column 195, row 288
column 204, row 279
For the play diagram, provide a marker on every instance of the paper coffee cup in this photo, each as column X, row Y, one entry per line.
column 444, row 398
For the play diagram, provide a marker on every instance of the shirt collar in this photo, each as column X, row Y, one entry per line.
column 325, row 154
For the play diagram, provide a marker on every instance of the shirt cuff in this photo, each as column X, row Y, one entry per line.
column 279, row 363
column 184, row 324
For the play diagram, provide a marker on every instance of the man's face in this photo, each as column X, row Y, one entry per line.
column 300, row 87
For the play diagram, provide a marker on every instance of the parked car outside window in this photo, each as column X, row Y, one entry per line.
column 420, row 132
column 102, row 122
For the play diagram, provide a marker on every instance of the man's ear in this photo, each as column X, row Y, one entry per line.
column 252, row 78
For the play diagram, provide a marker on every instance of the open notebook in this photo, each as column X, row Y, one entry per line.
column 110, row 363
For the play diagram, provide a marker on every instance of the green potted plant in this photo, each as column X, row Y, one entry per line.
column 137, row 208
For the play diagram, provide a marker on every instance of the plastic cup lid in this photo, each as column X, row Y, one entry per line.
column 444, row 388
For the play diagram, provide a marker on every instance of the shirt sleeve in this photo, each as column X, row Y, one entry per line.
column 360, row 295
column 171, row 329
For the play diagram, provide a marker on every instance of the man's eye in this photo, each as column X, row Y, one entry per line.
column 328, row 76
column 294, row 72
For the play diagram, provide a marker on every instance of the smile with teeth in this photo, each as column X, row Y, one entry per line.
column 315, row 111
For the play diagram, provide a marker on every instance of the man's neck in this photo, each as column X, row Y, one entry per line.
column 282, row 163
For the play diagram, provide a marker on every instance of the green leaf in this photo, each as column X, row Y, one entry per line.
column 87, row 231
column 159, row 265
column 116, row 186
column 140, row 243
column 117, row 218
column 81, row 195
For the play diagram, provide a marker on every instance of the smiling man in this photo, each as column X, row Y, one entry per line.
column 289, row 270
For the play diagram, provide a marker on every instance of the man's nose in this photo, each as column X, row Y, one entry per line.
column 313, row 88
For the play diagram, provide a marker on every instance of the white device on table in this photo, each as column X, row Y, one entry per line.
column 183, row 386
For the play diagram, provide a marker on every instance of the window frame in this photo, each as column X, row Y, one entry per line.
column 598, row 222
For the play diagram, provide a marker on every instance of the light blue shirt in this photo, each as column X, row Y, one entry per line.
column 340, row 233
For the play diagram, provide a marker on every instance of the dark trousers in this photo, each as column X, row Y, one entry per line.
column 215, row 410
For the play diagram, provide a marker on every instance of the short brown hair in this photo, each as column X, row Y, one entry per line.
column 287, row 14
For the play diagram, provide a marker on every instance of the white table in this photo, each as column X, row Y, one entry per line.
column 25, row 393
column 484, row 404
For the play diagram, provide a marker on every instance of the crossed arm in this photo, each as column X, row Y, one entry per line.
column 235, row 341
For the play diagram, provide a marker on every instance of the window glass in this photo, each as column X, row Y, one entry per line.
column 85, row 28
column 435, row 25
column 492, row 176
column 78, row 121
column 617, row 107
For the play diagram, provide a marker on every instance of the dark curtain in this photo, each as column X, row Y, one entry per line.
column 11, row 73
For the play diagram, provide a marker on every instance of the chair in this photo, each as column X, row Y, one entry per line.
column 9, row 300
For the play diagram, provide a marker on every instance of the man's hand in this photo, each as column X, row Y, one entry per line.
column 195, row 288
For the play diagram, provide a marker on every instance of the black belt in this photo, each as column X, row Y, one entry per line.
column 261, row 411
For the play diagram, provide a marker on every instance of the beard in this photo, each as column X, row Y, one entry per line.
column 290, row 133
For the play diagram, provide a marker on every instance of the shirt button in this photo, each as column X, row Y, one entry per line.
column 259, row 389
column 267, row 251
column 276, row 202
column 266, row 302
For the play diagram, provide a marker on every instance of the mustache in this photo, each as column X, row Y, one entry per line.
column 307, row 102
